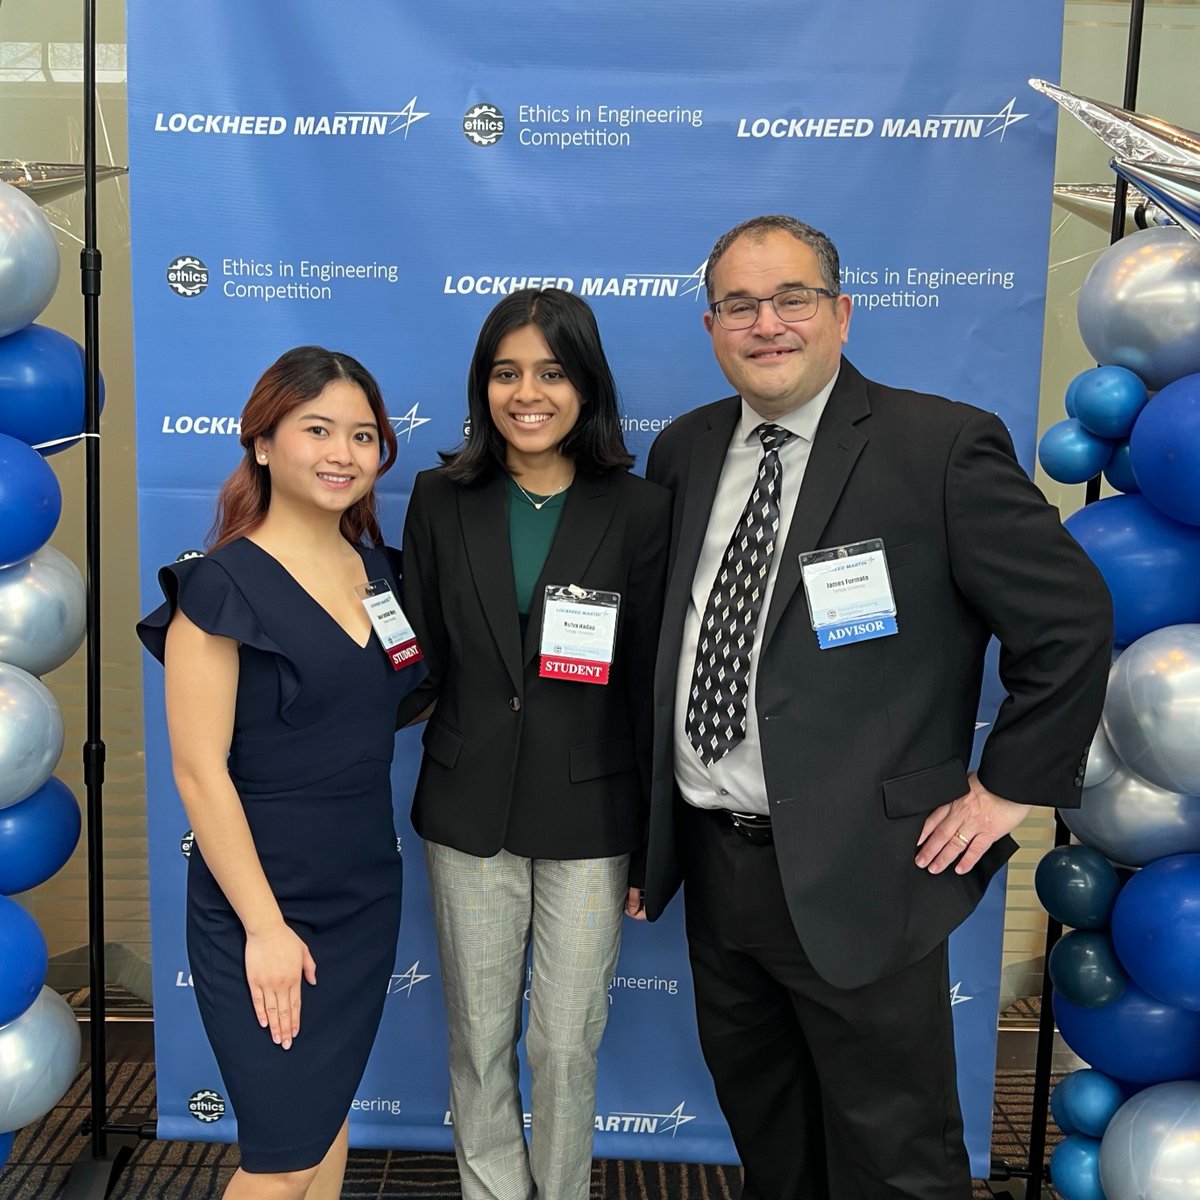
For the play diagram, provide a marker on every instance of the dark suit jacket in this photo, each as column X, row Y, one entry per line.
column 543, row 768
column 861, row 742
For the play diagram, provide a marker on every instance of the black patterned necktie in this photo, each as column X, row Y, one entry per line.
column 716, row 716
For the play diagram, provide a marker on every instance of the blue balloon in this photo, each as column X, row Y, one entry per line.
column 1164, row 450
column 1075, row 1168
column 1135, row 1038
column 1119, row 471
column 1070, row 454
column 1108, row 400
column 1069, row 396
column 1088, row 1100
column 1085, row 969
column 41, row 387
column 6, row 1145
column 23, row 953
column 1150, row 563
column 37, row 836
column 30, row 501
column 1077, row 886
column 1156, row 929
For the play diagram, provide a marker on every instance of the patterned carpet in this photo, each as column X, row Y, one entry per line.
column 43, row 1154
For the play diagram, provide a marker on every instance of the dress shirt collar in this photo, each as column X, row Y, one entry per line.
column 800, row 421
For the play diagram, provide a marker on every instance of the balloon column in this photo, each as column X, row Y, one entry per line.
column 42, row 623
column 1127, row 977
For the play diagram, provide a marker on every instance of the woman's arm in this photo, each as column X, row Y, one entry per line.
column 201, row 689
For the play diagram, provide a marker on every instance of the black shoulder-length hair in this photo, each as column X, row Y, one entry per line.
column 595, row 443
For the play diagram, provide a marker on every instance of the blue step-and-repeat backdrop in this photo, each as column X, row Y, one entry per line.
column 372, row 176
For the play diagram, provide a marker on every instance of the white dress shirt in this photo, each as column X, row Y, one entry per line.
column 736, row 781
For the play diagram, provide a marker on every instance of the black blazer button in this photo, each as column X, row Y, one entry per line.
column 515, row 704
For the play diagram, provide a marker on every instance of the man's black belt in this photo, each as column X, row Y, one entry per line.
column 754, row 828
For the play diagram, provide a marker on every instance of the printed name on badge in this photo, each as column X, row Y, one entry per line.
column 579, row 632
column 849, row 593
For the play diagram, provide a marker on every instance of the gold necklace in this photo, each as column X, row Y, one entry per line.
column 540, row 504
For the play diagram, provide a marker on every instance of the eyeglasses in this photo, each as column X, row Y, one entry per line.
column 790, row 305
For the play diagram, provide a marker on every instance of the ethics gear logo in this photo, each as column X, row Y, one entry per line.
column 483, row 125
column 187, row 276
column 186, row 843
column 207, row 1106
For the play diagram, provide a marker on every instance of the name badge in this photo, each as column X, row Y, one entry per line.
column 579, row 631
column 391, row 626
column 849, row 593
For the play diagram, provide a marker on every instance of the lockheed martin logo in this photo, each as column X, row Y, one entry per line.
column 635, row 1122
column 956, row 996
column 932, row 125
column 406, row 425
column 408, row 116
column 631, row 284
column 406, row 982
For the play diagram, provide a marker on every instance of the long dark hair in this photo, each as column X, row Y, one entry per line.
column 595, row 443
column 294, row 378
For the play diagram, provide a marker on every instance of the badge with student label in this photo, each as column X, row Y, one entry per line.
column 579, row 631
column 390, row 624
column 849, row 593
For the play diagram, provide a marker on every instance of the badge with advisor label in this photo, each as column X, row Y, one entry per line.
column 579, row 631
column 391, row 626
column 849, row 593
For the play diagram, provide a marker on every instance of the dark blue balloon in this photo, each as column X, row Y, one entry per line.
column 41, row 387
column 30, row 501
column 1077, row 886
column 1156, row 929
column 1070, row 454
column 6, row 1144
column 1164, row 449
column 1119, row 471
column 23, row 953
column 1135, row 1038
column 1108, row 400
column 1088, row 1100
column 1150, row 563
column 1084, row 968
column 37, row 837
column 1075, row 1168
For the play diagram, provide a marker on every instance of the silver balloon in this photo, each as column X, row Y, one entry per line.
column 1132, row 822
column 1151, row 1148
column 31, row 734
column 28, row 260
column 43, row 611
column 1139, row 306
column 39, row 1055
column 1152, row 710
column 1101, row 761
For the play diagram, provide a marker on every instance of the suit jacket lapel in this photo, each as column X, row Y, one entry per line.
column 586, row 516
column 695, row 505
column 483, row 515
column 835, row 450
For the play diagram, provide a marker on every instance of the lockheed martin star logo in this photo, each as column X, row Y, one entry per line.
column 406, row 118
column 956, row 996
column 998, row 122
column 405, row 425
column 406, row 982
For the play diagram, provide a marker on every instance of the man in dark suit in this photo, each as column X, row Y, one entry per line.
column 810, row 777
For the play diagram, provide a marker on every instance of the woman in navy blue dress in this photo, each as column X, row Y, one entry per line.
column 281, row 707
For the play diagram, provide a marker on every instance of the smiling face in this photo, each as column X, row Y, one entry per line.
column 776, row 366
column 325, row 451
column 532, row 402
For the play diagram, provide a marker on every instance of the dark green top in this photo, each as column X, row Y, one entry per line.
column 530, row 532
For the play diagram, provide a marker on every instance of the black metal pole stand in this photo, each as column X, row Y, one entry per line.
column 1062, row 835
column 95, row 1173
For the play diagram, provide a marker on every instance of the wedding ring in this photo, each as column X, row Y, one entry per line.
column 958, row 837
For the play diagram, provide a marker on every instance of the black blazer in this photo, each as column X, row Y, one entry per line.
column 543, row 768
column 861, row 742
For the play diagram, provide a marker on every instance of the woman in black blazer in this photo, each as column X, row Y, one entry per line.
column 532, row 792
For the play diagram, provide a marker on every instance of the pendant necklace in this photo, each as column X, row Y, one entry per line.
column 540, row 504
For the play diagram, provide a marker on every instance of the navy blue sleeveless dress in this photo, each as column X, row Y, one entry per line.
column 314, row 727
